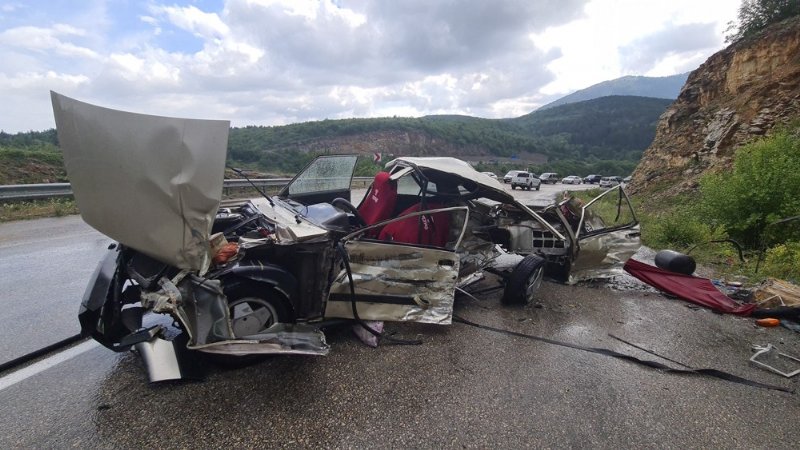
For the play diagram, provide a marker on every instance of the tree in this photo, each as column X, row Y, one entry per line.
column 762, row 189
column 755, row 15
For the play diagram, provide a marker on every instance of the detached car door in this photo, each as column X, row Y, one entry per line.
column 608, row 234
column 396, row 281
column 324, row 179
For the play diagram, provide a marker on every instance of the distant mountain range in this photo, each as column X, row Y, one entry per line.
column 657, row 87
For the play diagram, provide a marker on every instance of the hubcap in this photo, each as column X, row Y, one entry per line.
column 251, row 315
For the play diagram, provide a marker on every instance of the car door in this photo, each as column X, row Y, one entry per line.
column 396, row 281
column 608, row 234
column 322, row 180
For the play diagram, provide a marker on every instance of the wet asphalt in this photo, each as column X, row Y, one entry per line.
column 462, row 388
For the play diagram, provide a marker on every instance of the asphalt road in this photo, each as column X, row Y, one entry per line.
column 462, row 388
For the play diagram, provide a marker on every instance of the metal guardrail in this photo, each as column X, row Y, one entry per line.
column 17, row 192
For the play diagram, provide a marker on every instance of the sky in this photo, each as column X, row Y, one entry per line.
column 275, row 62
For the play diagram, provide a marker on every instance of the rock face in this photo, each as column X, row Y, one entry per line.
column 738, row 94
column 401, row 143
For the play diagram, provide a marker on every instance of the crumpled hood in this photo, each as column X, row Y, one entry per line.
column 152, row 183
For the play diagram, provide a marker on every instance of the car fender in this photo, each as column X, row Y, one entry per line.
column 273, row 275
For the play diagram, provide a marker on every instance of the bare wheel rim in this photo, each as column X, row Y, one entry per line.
column 251, row 315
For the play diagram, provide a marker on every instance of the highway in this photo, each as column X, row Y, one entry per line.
column 463, row 387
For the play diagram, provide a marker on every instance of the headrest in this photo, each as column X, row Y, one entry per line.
column 382, row 177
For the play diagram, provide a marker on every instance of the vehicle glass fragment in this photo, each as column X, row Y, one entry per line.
column 324, row 174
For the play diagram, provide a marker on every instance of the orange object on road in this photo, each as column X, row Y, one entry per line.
column 768, row 322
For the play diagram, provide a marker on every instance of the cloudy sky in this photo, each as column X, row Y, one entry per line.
column 273, row 62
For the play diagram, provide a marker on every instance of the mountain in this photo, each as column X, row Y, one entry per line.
column 737, row 95
column 613, row 127
column 608, row 128
column 658, row 87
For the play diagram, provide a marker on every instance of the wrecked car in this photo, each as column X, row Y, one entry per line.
column 192, row 274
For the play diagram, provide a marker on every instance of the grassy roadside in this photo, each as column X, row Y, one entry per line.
column 37, row 209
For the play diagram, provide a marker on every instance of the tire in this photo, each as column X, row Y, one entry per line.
column 538, row 186
column 524, row 281
column 266, row 306
column 247, row 299
column 513, row 187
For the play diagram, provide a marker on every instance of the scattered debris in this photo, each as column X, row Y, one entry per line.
column 675, row 262
column 774, row 292
column 687, row 287
column 766, row 350
column 768, row 322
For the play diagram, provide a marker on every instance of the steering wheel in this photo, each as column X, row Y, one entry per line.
column 340, row 203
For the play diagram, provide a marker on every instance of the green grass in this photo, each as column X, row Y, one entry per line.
column 37, row 209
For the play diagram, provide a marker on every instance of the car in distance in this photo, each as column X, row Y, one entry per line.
column 507, row 177
column 627, row 179
column 490, row 174
column 549, row 177
column 607, row 182
column 592, row 179
column 525, row 180
column 571, row 179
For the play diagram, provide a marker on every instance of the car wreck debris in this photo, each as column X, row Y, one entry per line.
column 240, row 278
column 764, row 350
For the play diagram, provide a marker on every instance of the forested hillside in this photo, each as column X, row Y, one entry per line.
column 616, row 128
column 605, row 135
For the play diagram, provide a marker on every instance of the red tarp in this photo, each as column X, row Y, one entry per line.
column 696, row 290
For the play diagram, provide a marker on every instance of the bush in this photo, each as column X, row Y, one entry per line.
column 679, row 229
column 781, row 261
column 763, row 187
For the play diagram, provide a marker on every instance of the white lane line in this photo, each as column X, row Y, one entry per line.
column 39, row 367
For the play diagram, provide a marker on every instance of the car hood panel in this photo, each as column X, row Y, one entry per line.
column 152, row 183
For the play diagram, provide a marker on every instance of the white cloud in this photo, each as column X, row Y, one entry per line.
column 46, row 40
column 191, row 19
column 282, row 61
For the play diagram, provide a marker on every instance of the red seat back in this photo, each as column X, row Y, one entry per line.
column 380, row 200
column 427, row 229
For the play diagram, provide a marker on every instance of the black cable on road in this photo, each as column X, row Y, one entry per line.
column 14, row 363
column 649, row 351
column 714, row 373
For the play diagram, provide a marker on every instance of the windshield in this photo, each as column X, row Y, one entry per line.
column 324, row 174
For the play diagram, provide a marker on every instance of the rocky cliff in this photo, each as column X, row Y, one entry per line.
column 738, row 94
column 402, row 143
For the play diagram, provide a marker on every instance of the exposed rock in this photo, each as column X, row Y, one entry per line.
column 738, row 94
column 408, row 143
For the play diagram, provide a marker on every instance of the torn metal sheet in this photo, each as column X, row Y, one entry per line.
column 603, row 256
column 397, row 283
column 152, row 183
column 280, row 338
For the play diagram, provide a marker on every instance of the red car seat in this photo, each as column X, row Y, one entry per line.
column 380, row 200
column 428, row 229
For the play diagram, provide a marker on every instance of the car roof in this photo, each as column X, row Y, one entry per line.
column 490, row 187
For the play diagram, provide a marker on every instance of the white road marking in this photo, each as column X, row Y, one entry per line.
column 39, row 367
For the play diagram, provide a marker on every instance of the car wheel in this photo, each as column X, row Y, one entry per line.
column 538, row 186
column 524, row 281
column 513, row 187
column 253, row 307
